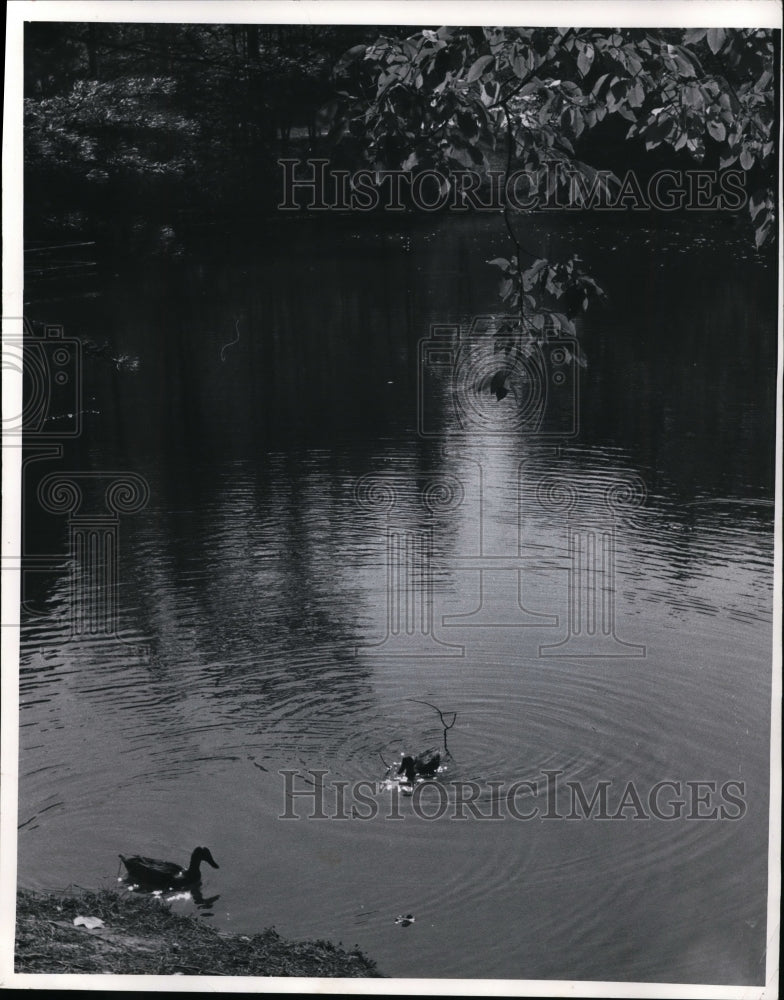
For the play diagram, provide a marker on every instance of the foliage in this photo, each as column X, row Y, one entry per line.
column 439, row 99
column 445, row 99
column 118, row 112
column 105, row 130
column 182, row 115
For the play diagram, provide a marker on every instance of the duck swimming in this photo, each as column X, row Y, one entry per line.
column 424, row 765
column 166, row 874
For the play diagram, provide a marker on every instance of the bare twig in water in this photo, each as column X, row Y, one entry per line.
column 437, row 709
column 447, row 726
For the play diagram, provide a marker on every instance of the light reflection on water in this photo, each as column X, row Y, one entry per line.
column 253, row 608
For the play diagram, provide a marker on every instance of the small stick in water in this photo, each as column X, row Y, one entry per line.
column 441, row 716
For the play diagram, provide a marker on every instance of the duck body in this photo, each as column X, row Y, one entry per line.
column 424, row 765
column 166, row 874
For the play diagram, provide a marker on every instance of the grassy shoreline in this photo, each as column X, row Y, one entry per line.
column 141, row 936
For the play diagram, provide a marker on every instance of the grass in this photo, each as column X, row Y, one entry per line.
column 142, row 936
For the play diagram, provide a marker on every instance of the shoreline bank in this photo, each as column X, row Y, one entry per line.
column 140, row 935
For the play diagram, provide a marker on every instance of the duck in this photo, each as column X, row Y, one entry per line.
column 424, row 765
column 167, row 874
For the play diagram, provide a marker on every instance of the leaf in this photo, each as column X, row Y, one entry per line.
column 762, row 233
column 717, row 130
column 636, row 95
column 756, row 204
column 532, row 87
column 716, row 38
column 519, row 66
column 694, row 35
column 585, row 59
column 498, row 385
column 502, row 262
column 89, row 922
column 762, row 84
column 618, row 89
column 746, row 160
column 683, row 64
column 478, row 68
column 531, row 276
column 564, row 323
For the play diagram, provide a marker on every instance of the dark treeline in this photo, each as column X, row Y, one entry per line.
column 156, row 121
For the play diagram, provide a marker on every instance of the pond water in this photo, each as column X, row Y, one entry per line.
column 312, row 578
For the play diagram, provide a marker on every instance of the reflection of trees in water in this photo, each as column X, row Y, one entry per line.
column 254, row 583
column 677, row 382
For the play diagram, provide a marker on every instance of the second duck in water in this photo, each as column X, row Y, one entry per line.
column 422, row 766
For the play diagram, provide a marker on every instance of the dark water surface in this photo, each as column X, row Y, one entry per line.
column 288, row 486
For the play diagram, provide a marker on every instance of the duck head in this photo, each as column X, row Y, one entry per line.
column 407, row 767
column 203, row 854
